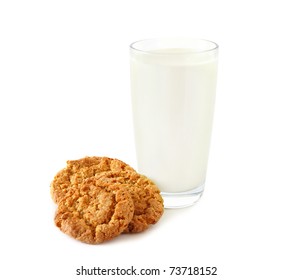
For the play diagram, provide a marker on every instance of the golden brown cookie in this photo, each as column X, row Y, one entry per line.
column 95, row 212
column 148, row 202
column 77, row 171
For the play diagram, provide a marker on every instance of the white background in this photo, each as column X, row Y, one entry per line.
column 65, row 94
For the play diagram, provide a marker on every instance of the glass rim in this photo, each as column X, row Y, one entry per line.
column 186, row 50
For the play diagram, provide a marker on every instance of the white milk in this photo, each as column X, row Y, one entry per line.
column 173, row 94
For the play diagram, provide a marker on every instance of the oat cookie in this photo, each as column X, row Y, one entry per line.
column 77, row 171
column 95, row 212
column 148, row 202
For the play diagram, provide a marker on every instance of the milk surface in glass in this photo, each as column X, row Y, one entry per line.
column 173, row 94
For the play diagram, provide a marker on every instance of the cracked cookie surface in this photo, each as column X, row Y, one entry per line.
column 148, row 202
column 77, row 171
column 96, row 211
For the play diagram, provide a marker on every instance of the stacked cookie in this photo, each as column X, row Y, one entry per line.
column 99, row 198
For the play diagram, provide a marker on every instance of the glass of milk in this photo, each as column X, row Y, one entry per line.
column 173, row 85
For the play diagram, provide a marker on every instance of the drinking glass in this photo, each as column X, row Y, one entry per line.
column 173, row 86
